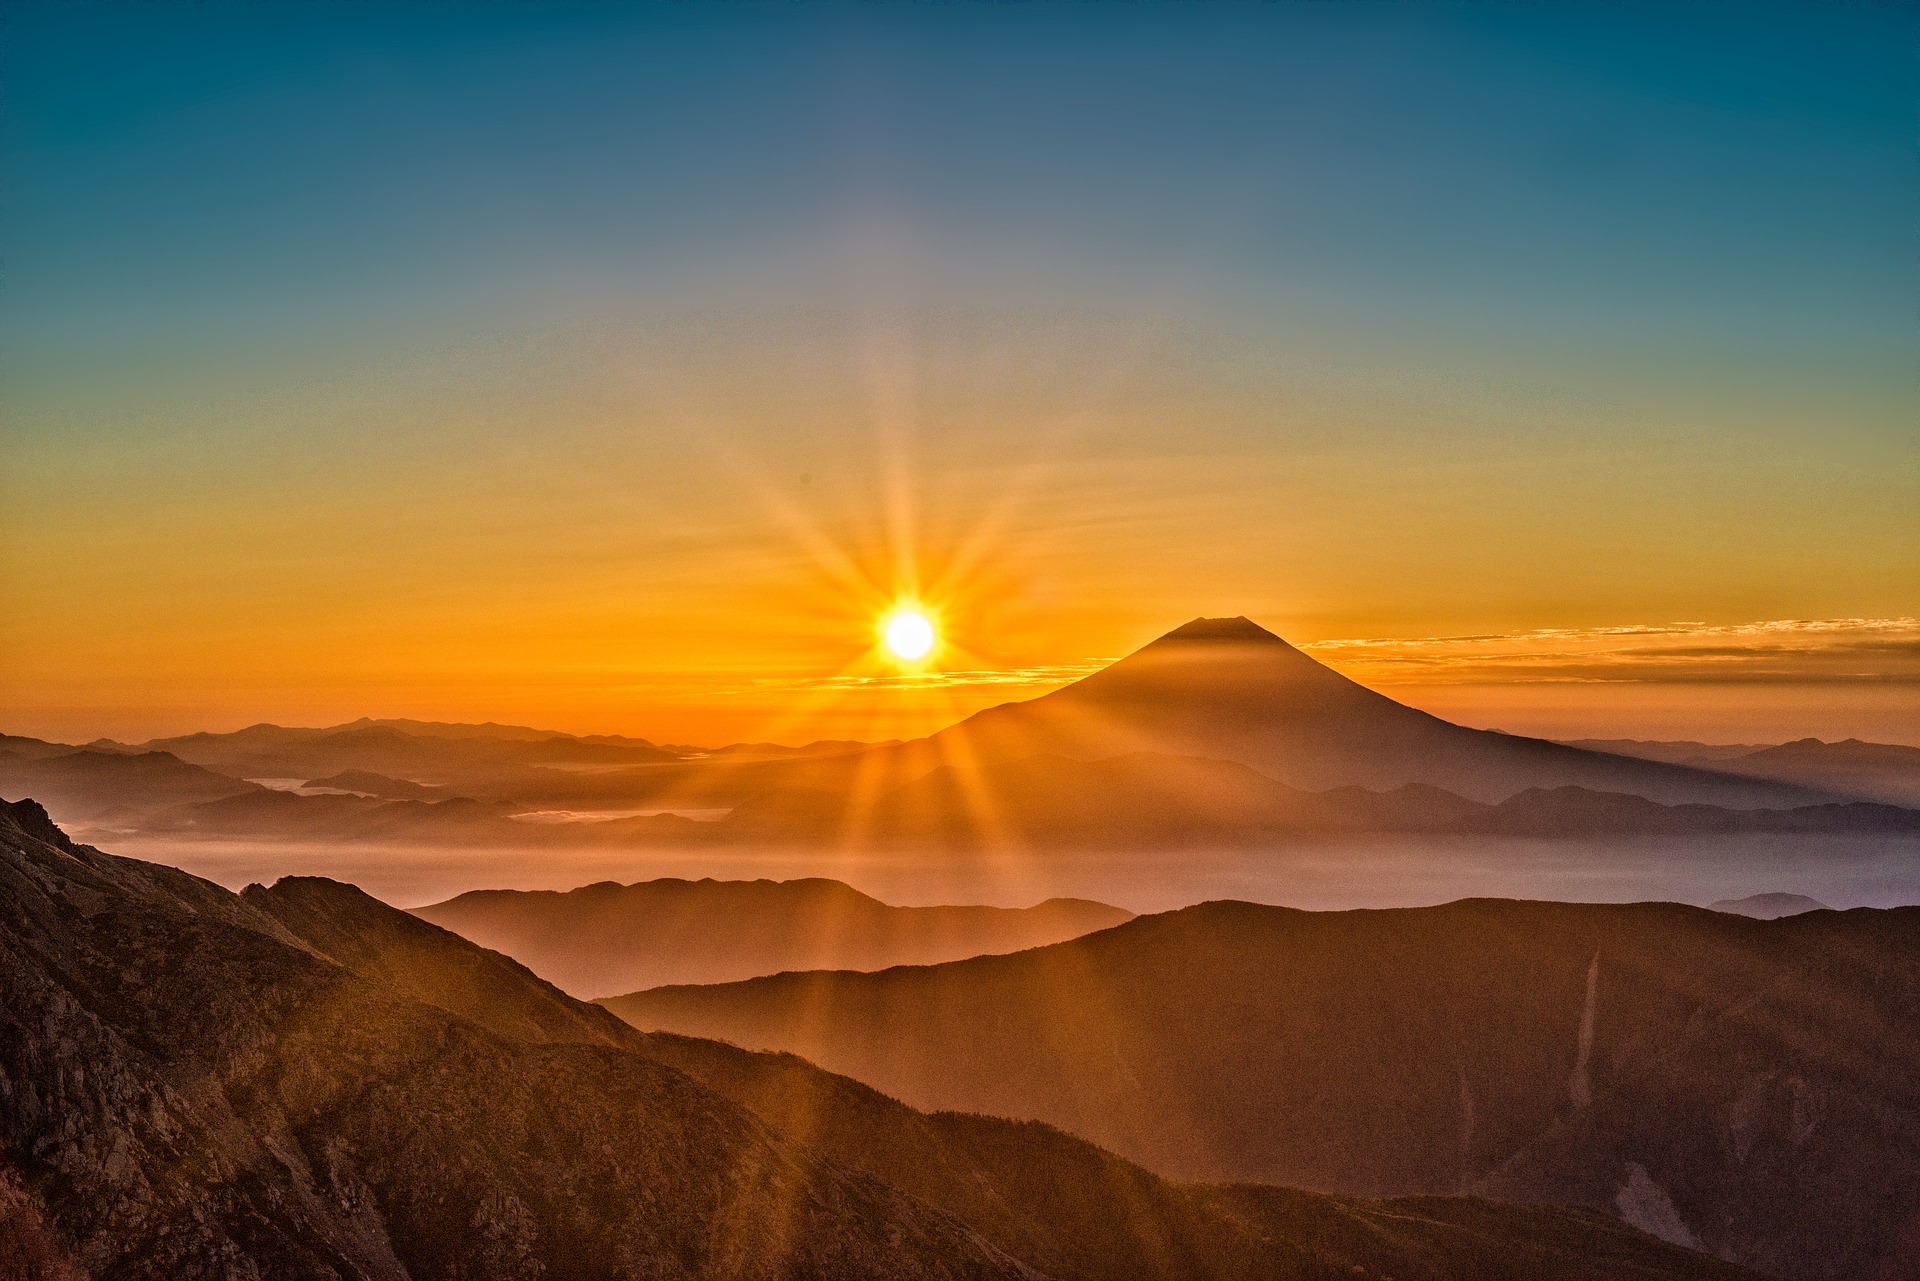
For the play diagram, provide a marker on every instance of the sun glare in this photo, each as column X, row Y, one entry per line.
column 908, row 634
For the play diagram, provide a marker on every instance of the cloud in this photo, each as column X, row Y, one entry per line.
column 1776, row 651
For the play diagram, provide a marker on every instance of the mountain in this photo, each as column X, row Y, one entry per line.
column 1724, row 1081
column 1228, row 689
column 366, row 783
column 301, row 1082
column 615, row 938
column 1888, row 772
column 1878, row 771
column 20, row 745
column 1577, row 812
column 83, row 784
column 195, row 1091
column 417, row 751
column 1683, row 752
column 339, row 817
column 1153, row 800
column 1769, row 907
column 1143, row 800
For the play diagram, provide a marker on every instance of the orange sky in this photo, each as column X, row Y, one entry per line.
column 629, row 537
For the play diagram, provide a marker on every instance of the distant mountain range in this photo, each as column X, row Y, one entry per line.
column 301, row 1082
column 610, row 938
column 1217, row 732
column 1887, row 772
column 1749, row 1086
column 1769, row 907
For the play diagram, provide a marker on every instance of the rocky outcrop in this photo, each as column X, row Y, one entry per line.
column 190, row 1091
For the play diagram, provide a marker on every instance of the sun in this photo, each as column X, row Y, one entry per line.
column 908, row 634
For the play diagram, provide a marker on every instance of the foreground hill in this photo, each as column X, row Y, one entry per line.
column 1721, row 1080
column 609, row 938
column 301, row 1082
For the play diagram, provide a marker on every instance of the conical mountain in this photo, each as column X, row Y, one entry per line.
column 1229, row 689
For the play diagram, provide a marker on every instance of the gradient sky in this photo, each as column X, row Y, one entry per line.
column 610, row 366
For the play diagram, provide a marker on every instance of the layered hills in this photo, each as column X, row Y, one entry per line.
column 608, row 938
column 302, row 1082
column 1749, row 1086
column 1888, row 772
column 1217, row 732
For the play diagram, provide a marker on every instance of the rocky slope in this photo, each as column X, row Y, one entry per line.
column 304, row 1083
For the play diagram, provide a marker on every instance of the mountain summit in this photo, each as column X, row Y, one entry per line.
column 1229, row 689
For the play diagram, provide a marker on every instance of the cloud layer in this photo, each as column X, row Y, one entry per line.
column 1777, row 651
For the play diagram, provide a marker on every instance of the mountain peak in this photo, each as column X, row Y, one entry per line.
column 1221, row 629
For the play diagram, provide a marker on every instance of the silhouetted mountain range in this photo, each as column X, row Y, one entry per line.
column 1769, row 907
column 1887, row 772
column 1217, row 732
column 1751, row 1086
column 302, row 1082
column 86, row 784
column 1148, row 799
column 608, row 938
column 366, row 783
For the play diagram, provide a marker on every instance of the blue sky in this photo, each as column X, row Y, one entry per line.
column 1716, row 173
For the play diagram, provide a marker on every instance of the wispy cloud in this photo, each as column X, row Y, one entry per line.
column 1779, row 651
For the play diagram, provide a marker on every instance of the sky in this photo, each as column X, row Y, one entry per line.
column 614, row 367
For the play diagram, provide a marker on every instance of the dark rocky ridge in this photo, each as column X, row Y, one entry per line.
column 304, row 1083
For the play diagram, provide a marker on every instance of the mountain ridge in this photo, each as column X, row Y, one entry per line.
column 300, row 1081
column 1748, row 1070
column 596, row 939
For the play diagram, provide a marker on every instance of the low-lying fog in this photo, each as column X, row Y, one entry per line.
column 1841, row 871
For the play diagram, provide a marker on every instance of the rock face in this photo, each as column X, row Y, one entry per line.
column 1719, row 1080
column 301, row 1082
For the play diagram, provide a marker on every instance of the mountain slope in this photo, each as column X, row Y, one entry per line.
column 1887, row 772
column 193, row 1093
column 1726, row 1080
column 607, row 938
column 1878, row 771
column 81, row 785
column 301, row 1083
column 1228, row 689
column 1056, row 1202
